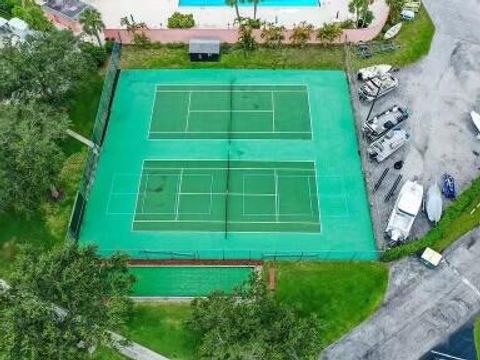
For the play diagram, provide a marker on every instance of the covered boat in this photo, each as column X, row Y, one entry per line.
column 393, row 31
column 377, row 87
column 434, row 203
column 372, row 71
column 388, row 144
column 379, row 124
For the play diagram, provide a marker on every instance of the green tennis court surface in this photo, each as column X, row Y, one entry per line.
column 237, row 111
column 195, row 171
column 164, row 281
column 260, row 196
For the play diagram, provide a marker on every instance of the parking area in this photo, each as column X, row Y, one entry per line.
column 439, row 91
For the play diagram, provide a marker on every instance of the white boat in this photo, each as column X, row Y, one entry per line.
column 434, row 203
column 381, row 123
column 476, row 121
column 406, row 208
column 377, row 87
column 372, row 71
column 407, row 15
column 388, row 144
column 393, row 31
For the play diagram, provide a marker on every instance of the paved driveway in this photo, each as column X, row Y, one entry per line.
column 423, row 307
column 440, row 91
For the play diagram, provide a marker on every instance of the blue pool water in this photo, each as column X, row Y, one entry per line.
column 279, row 3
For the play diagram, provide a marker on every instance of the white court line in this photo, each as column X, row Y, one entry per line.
column 273, row 112
column 230, row 91
column 140, row 175
column 230, row 222
column 188, row 110
column 234, row 132
column 310, row 112
column 151, row 116
column 231, row 111
column 179, row 192
column 144, row 194
column 310, row 196
column 232, row 168
column 277, row 205
column 317, row 188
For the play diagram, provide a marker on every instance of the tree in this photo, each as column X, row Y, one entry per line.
column 255, row 7
column 32, row 14
column 272, row 35
column 234, row 4
column 328, row 33
column 363, row 16
column 301, row 34
column 396, row 7
column 91, row 19
column 47, row 67
column 30, row 153
column 62, row 303
column 137, row 29
column 251, row 324
column 246, row 40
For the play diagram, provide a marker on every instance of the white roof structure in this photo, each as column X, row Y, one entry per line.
column 16, row 24
column 204, row 46
column 3, row 22
column 431, row 257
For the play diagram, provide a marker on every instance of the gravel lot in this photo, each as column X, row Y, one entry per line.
column 439, row 91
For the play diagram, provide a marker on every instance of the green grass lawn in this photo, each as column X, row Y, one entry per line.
column 415, row 39
column 342, row 294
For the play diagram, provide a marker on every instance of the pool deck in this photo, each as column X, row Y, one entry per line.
column 155, row 13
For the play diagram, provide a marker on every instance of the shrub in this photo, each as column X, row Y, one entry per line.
column 180, row 21
column 97, row 53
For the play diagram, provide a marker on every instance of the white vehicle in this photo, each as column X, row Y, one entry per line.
column 476, row 121
column 434, row 203
column 377, row 87
column 388, row 144
column 372, row 71
column 406, row 208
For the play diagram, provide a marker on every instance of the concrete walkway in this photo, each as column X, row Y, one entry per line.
column 134, row 351
column 423, row 307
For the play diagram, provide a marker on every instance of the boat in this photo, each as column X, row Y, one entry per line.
column 379, row 124
column 387, row 144
column 393, row 31
column 448, row 189
column 434, row 203
column 476, row 121
column 405, row 211
column 407, row 14
column 372, row 71
column 377, row 87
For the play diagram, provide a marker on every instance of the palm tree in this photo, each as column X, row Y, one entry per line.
column 255, row 6
column 91, row 19
column 234, row 3
column 329, row 33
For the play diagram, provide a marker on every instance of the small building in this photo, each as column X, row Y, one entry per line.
column 204, row 49
column 65, row 13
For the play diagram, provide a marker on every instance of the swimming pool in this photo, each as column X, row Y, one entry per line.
column 279, row 3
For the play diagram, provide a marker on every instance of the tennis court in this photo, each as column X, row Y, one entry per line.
column 230, row 164
column 236, row 111
column 221, row 196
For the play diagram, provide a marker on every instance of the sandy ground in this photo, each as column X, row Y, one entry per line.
column 439, row 91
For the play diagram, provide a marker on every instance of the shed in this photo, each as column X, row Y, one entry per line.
column 204, row 49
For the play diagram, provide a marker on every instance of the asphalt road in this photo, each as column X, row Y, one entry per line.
column 439, row 91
